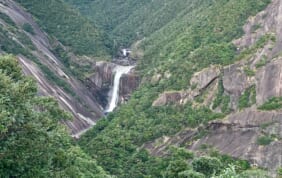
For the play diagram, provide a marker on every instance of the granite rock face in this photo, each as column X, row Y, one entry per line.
column 166, row 98
column 239, row 133
column 236, row 136
column 128, row 83
column 269, row 81
column 199, row 81
column 75, row 96
column 205, row 77
column 100, row 82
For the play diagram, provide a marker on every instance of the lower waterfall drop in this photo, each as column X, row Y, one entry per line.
column 114, row 97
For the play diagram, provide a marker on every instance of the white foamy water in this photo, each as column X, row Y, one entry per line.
column 119, row 71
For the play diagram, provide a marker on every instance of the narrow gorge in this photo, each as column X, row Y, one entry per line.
column 139, row 89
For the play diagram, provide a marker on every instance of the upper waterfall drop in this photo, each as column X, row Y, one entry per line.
column 114, row 96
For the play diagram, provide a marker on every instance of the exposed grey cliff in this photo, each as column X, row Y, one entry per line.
column 81, row 103
column 247, row 84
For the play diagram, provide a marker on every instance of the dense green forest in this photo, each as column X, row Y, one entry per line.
column 69, row 27
column 194, row 35
column 177, row 39
column 32, row 143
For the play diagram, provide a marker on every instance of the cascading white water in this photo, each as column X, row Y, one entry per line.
column 119, row 71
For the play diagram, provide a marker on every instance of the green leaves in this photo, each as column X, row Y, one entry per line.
column 68, row 26
column 32, row 141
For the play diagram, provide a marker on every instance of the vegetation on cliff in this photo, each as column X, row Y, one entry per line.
column 183, row 37
column 69, row 27
column 32, row 143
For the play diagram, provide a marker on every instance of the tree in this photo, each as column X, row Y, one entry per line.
column 32, row 142
column 207, row 165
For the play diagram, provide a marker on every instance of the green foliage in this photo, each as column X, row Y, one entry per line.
column 229, row 172
column 255, row 27
column 174, row 168
column 249, row 72
column 207, row 165
column 7, row 19
column 225, row 108
column 272, row 104
column 262, row 62
column 219, row 95
column 226, row 160
column 190, row 174
column 246, row 53
column 24, row 39
column 264, row 140
column 32, row 142
column 185, row 37
column 66, row 24
column 279, row 171
column 28, row 28
column 8, row 45
column 248, row 98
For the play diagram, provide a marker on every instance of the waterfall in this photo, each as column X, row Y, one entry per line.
column 114, row 96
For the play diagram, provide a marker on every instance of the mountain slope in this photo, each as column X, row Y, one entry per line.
column 66, row 24
column 210, row 92
column 32, row 143
column 55, row 68
column 173, row 56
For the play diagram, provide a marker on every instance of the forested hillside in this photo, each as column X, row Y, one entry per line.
column 129, row 20
column 181, row 38
column 208, row 104
column 66, row 24
column 32, row 143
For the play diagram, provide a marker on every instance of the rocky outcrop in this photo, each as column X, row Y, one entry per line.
column 100, row 82
column 205, row 77
column 236, row 136
column 71, row 93
column 172, row 97
column 128, row 83
column 267, row 21
column 234, row 79
column 269, row 81
column 199, row 82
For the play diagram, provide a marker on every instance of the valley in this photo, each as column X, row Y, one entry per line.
column 172, row 89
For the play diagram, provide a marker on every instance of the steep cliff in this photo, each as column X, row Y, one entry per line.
column 38, row 57
column 250, row 130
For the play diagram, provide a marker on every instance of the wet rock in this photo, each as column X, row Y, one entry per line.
column 128, row 83
column 100, row 82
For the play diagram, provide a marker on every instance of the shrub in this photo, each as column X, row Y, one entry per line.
column 207, row 165
column 190, row 174
column 28, row 28
column 272, row 104
column 264, row 140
